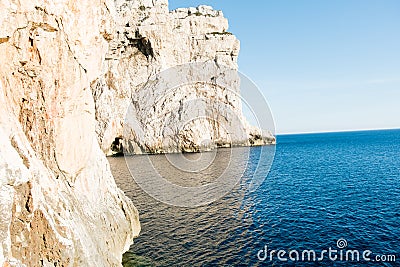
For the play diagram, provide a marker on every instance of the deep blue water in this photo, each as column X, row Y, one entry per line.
column 321, row 187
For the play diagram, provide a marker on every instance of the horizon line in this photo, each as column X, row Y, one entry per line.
column 340, row 131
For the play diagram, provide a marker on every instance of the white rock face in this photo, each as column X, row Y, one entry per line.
column 69, row 73
column 58, row 200
column 149, row 41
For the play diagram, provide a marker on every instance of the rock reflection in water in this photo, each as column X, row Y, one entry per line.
column 179, row 236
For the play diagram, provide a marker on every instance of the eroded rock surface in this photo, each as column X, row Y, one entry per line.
column 70, row 71
column 59, row 203
column 152, row 51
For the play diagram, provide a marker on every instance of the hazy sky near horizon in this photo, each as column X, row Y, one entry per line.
column 322, row 65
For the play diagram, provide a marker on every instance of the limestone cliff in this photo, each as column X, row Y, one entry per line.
column 175, row 72
column 59, row 203
column 70, row 73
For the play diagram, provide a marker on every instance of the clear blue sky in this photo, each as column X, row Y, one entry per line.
column 322, row 65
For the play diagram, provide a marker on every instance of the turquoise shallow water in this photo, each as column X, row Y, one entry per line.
column 321, row 188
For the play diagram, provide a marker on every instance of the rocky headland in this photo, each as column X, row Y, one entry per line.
column 70, row 71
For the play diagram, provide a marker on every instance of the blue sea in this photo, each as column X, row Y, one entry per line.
column 328, row 191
